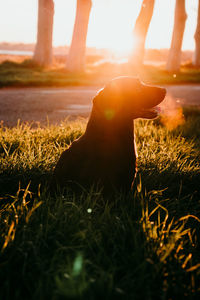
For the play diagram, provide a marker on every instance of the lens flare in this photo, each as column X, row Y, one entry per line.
column 109, row 114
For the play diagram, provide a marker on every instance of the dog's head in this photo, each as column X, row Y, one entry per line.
column 129, row 97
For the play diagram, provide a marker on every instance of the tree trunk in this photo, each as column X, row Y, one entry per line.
column 174, row 57
column 140, row 31
column 76, row 56
column 43, row 50
column 196, row 57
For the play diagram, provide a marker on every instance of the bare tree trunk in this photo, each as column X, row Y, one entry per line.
column 76, row 56
column 174, row 57
column 196, row 57
column 140, row 31
column 43, row 50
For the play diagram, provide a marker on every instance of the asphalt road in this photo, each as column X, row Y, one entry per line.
column 56, row 104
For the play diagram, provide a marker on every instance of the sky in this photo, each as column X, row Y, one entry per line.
column 111, row 23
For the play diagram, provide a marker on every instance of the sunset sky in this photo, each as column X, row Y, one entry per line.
column 111, row 23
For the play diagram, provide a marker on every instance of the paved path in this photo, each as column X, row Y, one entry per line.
column 55, row 104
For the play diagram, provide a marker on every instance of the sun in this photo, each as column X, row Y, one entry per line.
column 110, row 28
column 123, row 47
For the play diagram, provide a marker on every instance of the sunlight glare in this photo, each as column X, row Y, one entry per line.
column 110, row 27
column 122, row 48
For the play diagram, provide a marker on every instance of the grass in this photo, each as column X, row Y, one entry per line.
column 143, row 246
column 27, row 74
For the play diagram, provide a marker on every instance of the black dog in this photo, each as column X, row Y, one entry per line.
column 105, row 154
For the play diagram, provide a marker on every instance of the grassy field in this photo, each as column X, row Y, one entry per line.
column 27, row 74
column 143, row 246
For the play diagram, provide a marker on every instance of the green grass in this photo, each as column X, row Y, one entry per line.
column 143, row 246
column 27, row 74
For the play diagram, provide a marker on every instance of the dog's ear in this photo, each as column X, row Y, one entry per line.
column 108, row 97
column 99, row 93
column 106, row 104
column 100, row 101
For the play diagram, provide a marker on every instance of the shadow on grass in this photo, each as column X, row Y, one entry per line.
column 90, row 248
column 174, row 185
column 11, row 181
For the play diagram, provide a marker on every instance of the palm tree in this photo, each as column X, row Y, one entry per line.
column 196, row 57
column 174, row 57
column 76, row 56
column 43, row 50
column 140, row 31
